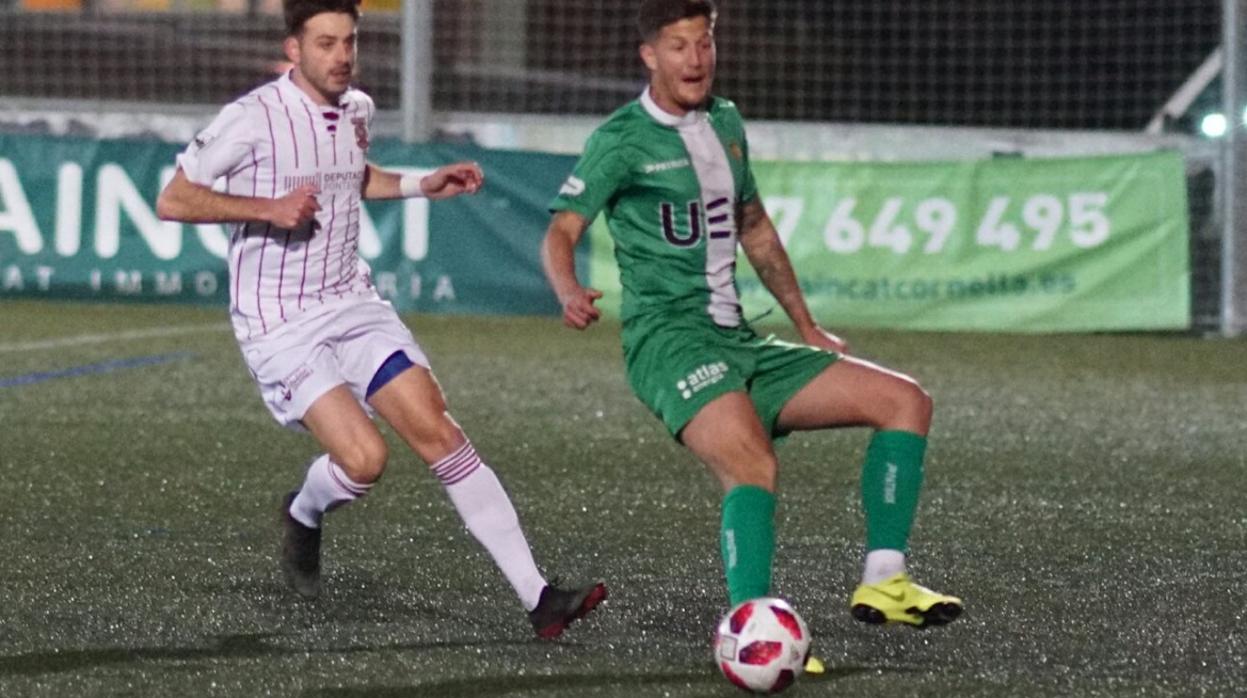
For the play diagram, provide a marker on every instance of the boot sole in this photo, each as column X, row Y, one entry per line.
column 937, row 614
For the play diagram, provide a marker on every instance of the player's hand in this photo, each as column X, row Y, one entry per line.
column 294, row 209
column 818, row 337
column 578, row 309
column 453, row 180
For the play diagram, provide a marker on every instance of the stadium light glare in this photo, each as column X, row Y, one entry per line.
column 1213, row 125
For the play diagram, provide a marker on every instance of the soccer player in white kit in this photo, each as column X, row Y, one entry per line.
column 286, row 165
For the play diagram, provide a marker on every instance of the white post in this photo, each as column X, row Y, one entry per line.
column 416, row 93
column 1234, row 236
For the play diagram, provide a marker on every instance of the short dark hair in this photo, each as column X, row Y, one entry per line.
column 656, row 14
column 298, row 12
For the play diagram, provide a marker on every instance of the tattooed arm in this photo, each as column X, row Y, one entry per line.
column 761, row 243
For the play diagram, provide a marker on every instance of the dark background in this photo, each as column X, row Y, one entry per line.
column 1093, row 64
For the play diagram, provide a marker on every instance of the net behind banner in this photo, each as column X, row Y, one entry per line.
column 1093, row 65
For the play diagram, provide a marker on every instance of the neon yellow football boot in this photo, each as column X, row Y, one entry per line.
column 814, row 665
column 898, row 600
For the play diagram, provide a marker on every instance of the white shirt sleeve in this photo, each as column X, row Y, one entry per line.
column 221, row 148
column 370, row 108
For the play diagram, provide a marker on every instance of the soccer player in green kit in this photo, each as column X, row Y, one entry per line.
column 671, row 172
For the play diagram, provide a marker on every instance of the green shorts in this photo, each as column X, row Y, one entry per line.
column 677, row 365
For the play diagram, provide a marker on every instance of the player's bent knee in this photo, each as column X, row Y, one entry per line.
column 921, row 401
column 760, row 475
column 448, row 435
column 912, row 407
column 436, row 439
column 759, row 470
column 364, row 462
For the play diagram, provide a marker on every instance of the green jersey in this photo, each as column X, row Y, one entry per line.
column 670, row 188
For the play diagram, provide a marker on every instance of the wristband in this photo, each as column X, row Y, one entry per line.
column 409, row 185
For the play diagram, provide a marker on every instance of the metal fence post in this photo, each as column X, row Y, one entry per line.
column 416, row 89
column 1234, row 239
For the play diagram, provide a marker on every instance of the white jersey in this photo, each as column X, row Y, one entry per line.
column 265, row 144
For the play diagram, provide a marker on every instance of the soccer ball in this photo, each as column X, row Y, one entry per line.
column 761, row 645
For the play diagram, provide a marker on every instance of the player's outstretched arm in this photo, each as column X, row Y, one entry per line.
column 183, row 200
column 442, row 183
column 558, row 258
column 761, row 243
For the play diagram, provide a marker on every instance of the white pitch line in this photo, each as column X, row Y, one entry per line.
column 84, row 339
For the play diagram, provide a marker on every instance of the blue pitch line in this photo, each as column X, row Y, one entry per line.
column 93, row 369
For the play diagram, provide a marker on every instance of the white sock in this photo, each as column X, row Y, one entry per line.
column 326, row 487
column 487, row 511
column 881, row 564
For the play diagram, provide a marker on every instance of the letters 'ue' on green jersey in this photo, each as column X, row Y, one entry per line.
column 670, row 188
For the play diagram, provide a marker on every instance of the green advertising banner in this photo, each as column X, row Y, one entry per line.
column 77, row 221
column 1005, row 244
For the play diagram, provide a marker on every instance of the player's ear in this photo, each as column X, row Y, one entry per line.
column 649, row 56
column 291, row 47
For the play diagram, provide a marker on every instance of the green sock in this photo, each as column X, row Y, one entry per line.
column 891, row 480
column 747, row 541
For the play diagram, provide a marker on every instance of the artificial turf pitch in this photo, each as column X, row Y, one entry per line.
column 1084, row 495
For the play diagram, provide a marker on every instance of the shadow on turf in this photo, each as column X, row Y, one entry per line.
column 256, row 644
column 707, row 683
column 249, row 645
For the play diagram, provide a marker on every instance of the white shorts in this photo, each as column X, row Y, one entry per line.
column 340, row 345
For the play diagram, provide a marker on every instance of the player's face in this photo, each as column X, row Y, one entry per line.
column 681, row 61
column 324, row 55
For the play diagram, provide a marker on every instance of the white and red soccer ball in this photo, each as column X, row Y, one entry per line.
column 761, row 645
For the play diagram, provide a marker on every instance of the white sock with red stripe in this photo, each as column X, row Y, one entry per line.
column 326, row 487
column 487, row 511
